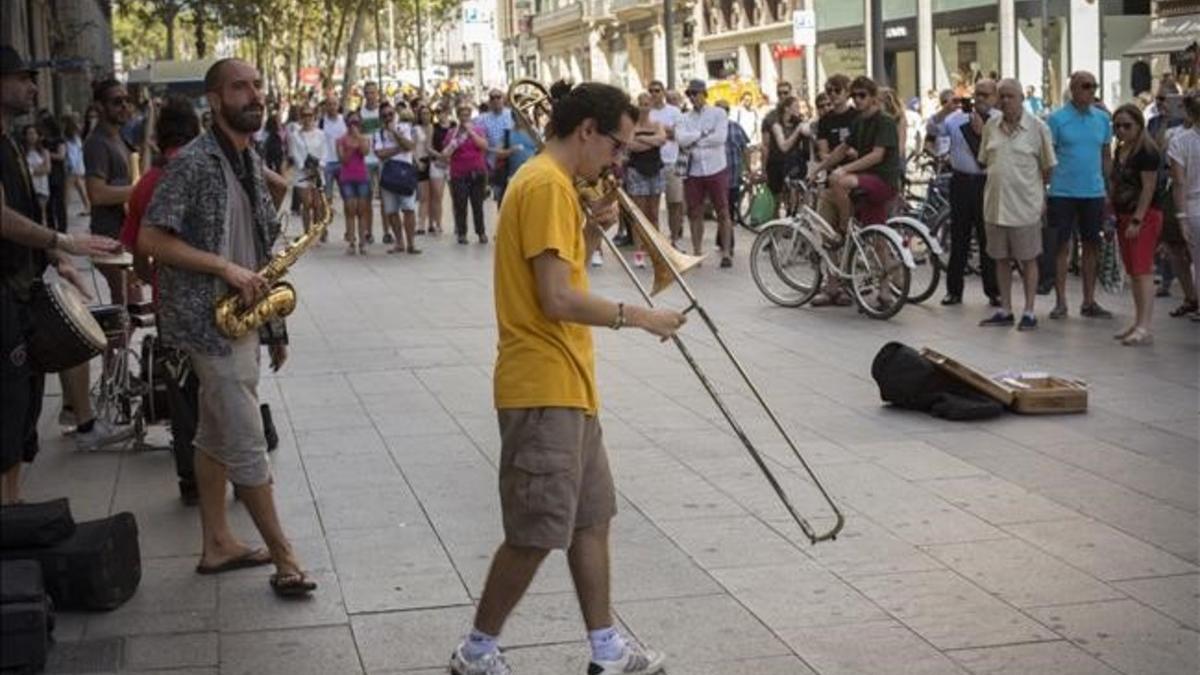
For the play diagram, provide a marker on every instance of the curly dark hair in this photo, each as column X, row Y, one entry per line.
column 590, row 100
column 177, row 123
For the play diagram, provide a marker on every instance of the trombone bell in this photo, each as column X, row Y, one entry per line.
column 663, row 256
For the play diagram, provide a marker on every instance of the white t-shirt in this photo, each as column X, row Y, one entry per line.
column 301, row 144
column 384, row 141
column 41, row 184
column 334, row 128
column 668, row 116
column 370, row 120
column 1183, row 148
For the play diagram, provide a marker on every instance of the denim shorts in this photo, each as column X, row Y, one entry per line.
column 355, row 189
column 394, row 202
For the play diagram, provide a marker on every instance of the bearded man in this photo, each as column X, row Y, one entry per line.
column 210, row 224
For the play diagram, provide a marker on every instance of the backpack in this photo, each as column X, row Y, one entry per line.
column 910, row 381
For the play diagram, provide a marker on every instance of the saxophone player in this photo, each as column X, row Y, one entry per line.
column 209, row 225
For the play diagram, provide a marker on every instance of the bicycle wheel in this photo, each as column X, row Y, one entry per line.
column 756, row 206
column 879, row 278
column 785, row 265
column 928, row 272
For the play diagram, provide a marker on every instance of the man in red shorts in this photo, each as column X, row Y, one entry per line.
column 872, row 163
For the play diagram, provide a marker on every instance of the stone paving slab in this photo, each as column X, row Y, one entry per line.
column 1058, row 544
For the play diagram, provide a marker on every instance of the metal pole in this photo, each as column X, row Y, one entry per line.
column 669, row 40
column 1045, row 55
column 378, row 50
column 420, row 52
column 878, row 70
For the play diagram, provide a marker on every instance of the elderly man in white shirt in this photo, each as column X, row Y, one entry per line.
column 701, row 135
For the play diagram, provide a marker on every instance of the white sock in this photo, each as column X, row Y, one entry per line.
column 479, row 644
column 607, row 644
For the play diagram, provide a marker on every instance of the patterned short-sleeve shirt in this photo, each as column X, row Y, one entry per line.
column 191, row 201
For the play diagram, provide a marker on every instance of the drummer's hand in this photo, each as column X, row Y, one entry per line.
column 89, row 245
column 251, row 285
column 278, row 354
column 72, row 276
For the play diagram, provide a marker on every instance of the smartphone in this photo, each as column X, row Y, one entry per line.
column 967, row 104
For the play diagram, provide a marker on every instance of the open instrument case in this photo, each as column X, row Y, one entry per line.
column 1026, row 393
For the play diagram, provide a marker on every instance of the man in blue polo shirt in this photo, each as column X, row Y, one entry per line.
column 1082, row 133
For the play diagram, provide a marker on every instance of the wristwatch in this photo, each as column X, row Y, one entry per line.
column 619, row 320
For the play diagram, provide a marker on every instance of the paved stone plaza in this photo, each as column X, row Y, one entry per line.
column 1065, row 544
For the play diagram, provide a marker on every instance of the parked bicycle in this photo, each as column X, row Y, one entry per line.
column 792, row 256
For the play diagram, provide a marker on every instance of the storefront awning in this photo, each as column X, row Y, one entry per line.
column 1171, row 35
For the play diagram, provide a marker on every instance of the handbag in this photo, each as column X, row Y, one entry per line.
column 399, row 177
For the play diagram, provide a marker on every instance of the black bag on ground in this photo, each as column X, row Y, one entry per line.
column 26, row 617
column 98, row 567
column 35, row 525
column 908, row 380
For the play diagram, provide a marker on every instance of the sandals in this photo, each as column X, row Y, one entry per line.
column 252, row 558
column 292, row 584
column 1138, row 337
column 1188, row 307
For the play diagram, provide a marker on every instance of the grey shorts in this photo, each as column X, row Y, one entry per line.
column 674, row 185
column 229, row 425
column 554, row 476
column 1013, row 243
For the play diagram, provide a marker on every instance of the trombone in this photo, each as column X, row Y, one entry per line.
column 531, row 101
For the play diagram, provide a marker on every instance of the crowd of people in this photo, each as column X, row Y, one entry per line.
column 1025, row 183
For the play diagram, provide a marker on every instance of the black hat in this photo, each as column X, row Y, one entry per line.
column 11, row 62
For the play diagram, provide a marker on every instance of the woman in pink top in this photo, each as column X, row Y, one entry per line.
column 355, row 183
column 468, row 173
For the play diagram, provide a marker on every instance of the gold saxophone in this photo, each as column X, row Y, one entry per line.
column 234, row 319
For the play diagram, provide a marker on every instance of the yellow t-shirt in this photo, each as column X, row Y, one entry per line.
column 541, row 363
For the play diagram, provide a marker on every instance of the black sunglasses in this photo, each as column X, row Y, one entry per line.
column 692, row 93
column 1087, row 85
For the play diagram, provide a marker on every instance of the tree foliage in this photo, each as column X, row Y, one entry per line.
column 279, row 36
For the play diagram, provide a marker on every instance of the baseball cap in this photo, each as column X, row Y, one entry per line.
column 11, row 62
column 697, row 85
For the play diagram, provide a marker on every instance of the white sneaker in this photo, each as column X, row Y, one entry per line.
column 102, row 435
column 635, row 661
column 488, row 664
column 639, row 259
column 597, row 259
column 66, row 420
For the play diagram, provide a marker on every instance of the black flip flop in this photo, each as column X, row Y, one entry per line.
column 292, row 584
column 253, row 558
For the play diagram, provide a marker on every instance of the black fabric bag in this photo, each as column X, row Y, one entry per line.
column 26, row 617
column 910, row 381
column 97, row 568
column 35, row 525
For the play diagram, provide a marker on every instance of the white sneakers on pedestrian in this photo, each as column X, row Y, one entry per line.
column 488, row 664
column 102, row 435
column 635, row 661
column 597, row 259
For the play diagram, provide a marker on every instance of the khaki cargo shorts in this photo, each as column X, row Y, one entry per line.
column 554, row 476
column 229, row 425
column 1013, row 243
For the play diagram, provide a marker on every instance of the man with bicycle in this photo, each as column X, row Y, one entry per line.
column 866, row 168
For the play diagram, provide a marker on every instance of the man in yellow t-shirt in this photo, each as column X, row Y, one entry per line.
column 556, row 491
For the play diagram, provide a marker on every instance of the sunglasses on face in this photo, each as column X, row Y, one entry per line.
column 1087, row 86
column 691, row 94
column 655, row 90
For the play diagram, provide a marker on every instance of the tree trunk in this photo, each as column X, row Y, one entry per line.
column 298, row 59
column 336, row 47
column 352, row 50
column 169, row 19
column 199, row 13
